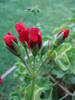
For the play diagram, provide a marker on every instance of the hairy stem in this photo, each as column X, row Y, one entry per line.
column 33, row 82
column 32, row 89
column 28, row 69
column 27, row 55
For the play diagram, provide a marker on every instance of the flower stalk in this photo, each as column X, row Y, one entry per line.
column 28, row 69
column 27, row 53
column 33, row 82
column 33, row 87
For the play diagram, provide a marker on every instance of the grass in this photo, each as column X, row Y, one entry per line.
column 52, row 14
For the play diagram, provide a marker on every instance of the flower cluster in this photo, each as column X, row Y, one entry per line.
column 31, row 39
column 32, row 36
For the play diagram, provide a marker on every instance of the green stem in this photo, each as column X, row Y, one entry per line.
column 27, row 55
column 34, row 60
column 32, row 89
column 39, row 70
column 48, row 55
column 28, row 69
column 33, row 82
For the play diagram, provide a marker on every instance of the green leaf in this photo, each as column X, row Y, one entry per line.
column 37, row 92
column 71, row 55
column 51, row 54
column 73, row 80
column 72, row 69
column 63, row 62
column 63, row 48
column 58, row 73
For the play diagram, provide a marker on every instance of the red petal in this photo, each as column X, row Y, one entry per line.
column 66, row 33
column 0, row 81
column 8, row 38
column 35, row 36
column 20, row 27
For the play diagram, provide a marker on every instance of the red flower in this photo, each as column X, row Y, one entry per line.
column 35, row 37
column 32, row 35
column 66, row 33
column 0, row 81
column 22, row 32
column 8, row 38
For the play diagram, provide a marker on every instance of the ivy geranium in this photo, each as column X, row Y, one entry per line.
column 48, row 60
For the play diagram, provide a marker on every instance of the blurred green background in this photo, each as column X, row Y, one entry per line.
column 52, row 14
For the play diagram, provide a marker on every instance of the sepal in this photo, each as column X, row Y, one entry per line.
column 35, row 50
column 15, row 50
column 58, row 40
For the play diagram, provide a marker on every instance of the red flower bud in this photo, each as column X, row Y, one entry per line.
column 35, row 37
column 66, row 33
column 22, row 32
column 9, row 38
column 0, row 81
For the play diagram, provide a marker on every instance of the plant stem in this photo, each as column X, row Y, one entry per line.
column 34, row 61
column 27, row 55
column 39, row 70
column 33, row 82
column 64, row 97
column 61, row 86
column 32, row 89
column 28, row 69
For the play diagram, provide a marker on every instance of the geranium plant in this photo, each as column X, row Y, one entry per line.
column 48, row 71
